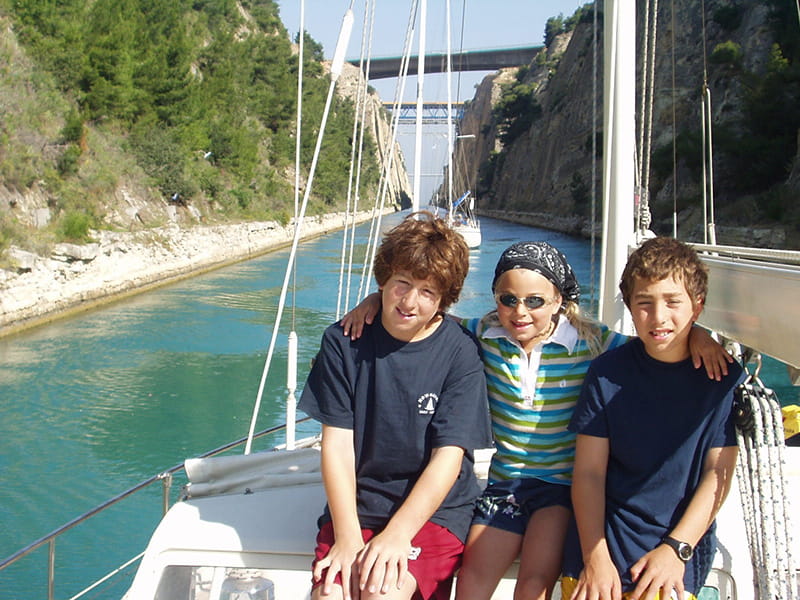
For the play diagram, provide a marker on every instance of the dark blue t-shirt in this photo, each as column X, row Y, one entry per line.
column 661, row 419
column 402, row 400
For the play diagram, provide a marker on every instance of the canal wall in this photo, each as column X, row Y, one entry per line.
column 74, row 277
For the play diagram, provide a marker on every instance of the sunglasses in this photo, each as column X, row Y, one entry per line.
column 530, row 302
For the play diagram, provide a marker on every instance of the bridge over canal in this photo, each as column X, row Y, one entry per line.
column 467, row 60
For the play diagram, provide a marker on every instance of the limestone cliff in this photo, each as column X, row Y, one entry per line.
column 398, row 187
column 546, row 173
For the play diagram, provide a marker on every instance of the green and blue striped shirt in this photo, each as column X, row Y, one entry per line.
column 531, row 399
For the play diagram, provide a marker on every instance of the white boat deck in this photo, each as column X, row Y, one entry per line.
column 271, row 532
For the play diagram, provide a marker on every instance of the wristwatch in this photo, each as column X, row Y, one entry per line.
column 682, row 549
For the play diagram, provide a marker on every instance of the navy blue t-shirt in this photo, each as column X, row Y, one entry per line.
column 661, row 419
column 402, row 400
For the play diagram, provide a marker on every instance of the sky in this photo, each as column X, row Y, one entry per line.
column 486, row 24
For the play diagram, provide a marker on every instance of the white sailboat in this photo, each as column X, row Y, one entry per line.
column 246, row 524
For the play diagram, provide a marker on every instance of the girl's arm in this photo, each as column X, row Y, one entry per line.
column 353, row 322
column 707, row 351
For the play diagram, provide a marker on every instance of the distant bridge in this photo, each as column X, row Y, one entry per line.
column 468, row 60
column 433, row 113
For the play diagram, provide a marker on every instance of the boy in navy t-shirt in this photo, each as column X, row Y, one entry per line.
column 656, row 445
column 402, row 409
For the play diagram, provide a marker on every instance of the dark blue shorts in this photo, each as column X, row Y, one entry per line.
column 509, row 505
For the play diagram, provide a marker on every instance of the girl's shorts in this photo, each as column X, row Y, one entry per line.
column 435, row 557
column 509, row 505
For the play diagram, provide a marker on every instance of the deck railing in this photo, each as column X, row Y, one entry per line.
column 165, row 477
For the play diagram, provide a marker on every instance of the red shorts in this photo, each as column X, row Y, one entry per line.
column 433, row 566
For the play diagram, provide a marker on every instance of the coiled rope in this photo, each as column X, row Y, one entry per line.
column 765, row 503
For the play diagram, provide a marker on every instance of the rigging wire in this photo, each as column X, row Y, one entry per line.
column 674, row 130
column 461, row 48
column 449, row 113
column 336, row 68
column 361, row 149
column 380, row 202
column 709, row 231
column 291, row 358
column 298, row 142
column 593, row 215
column 356, row 153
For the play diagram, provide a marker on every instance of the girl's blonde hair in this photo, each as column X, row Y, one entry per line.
column 588, row 328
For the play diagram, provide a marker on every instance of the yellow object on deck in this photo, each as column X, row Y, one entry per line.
column 791, row 420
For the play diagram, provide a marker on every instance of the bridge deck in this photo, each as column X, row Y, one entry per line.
column 472, row 60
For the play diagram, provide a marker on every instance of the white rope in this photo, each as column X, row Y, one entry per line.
column 359, row 119
column 336, row 68
column 643, row 217
column 765, row 502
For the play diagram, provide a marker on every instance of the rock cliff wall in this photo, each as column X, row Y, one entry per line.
column 547, row 173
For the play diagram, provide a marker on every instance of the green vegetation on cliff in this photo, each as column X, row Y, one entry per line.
column 189, row 101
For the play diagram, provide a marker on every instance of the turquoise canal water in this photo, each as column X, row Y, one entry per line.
column 94, row 404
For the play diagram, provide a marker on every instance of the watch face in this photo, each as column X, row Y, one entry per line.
column 684, row 551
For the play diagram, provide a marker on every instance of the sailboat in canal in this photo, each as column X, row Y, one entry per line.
column 245, row 524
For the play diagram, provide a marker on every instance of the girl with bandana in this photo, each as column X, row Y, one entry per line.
column 536, row 348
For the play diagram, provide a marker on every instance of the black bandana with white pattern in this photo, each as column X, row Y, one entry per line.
column 544, row 259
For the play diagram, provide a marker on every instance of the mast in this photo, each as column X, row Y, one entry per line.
column 618, row 157
column 449, row 117
column 423, row 15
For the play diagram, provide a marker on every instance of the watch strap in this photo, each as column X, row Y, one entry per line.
column 683, row 550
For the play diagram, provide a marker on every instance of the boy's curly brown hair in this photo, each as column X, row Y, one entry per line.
column 425, row 247
column 662, row 257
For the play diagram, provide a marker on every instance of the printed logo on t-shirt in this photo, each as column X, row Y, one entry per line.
column 415, row 552
column 426, row 404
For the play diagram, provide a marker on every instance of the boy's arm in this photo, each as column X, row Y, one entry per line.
column 599, row 578
column 384, row 561
column 661, row 568
column 339, row 477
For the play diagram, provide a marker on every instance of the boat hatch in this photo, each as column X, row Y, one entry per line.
column 215, row 583
column 231, row 583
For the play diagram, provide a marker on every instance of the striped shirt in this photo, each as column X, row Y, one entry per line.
column 531, row 399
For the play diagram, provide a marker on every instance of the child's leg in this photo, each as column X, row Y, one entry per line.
column 435, row 555
column 406, row 592
column 487, row 556
column 542, row 547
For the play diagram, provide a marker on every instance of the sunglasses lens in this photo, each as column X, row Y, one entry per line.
column 511, row 301
column 507, row 300
column 533, row 302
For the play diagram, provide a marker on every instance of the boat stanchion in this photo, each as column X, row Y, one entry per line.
column 166, row 486
column 291, row 385
column 51, row 569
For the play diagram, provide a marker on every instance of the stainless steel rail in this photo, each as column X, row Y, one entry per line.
column 753, row 299
column 166, row 481
column 783, row 257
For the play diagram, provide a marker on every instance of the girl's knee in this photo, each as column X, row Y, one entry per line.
column 534, row 587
